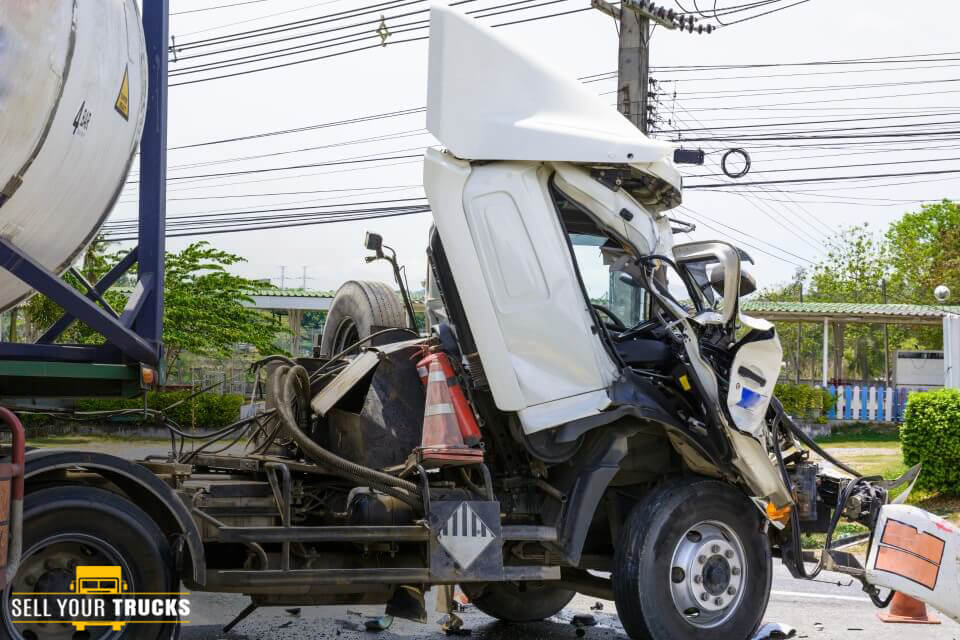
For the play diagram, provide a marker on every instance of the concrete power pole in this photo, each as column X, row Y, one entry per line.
column 633, row 69
column 633, row 18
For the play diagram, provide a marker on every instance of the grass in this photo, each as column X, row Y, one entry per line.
column 74, row 440
column 860, row 433
column 883, row 440
column 889, row 466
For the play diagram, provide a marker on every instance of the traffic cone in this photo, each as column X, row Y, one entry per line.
column 466, row 421
column 442, row 443
column 907, row 610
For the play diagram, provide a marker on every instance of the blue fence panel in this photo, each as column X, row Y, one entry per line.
column 864, row 395
column 832, row 411
column 847, row 401
column 881, row 404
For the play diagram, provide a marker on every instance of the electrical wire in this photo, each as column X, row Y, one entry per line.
column 223, row 6
column 824, row 179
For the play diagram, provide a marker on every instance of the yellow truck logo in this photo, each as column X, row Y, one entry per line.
column 98, row 581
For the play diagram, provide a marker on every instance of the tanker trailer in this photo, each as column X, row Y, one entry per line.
column 72, row 103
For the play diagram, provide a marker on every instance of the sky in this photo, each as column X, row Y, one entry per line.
column 784, row 226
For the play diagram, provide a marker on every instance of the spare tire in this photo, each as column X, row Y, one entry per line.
column 360, row 309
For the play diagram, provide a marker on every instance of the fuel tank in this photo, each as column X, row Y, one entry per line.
column 73, row 89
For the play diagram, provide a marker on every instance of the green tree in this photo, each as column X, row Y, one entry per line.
column 857, row 260
column 925, row 250
column 41, row 312
column 204, row 310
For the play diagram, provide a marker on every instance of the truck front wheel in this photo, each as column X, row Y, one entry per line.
column 517, row 601
column 67, row 527
column 693, row 563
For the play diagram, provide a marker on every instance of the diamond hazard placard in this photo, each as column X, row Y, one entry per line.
column 466, row 542
column 465, row 535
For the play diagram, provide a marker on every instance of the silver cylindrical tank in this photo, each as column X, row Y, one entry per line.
column 73, row 90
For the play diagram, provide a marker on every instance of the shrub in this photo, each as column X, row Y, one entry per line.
column 802, row 401
column 930, row 434
column 206, row 411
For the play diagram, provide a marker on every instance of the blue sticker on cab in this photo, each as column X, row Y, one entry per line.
column 749, row 398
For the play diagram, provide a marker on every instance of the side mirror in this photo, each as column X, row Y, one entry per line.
column 374, row 242
column 747, row 282
column 723, row 277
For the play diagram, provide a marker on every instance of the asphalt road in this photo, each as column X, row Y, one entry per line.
column 818, row 610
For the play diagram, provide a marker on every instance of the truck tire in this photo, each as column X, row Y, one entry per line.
column 74, row 525
column 518, row 601
column 693, row 563
column 359, row 309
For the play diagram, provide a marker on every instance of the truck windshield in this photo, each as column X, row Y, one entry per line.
column 602, row 281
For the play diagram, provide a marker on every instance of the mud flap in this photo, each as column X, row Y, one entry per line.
column 466, row 542
column 918, row 554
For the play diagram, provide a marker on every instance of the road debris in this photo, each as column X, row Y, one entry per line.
column 778, row 631
column 378, row 624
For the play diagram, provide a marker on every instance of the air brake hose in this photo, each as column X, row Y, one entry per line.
column 807, row 440
column 287, row 382
column 842, row 499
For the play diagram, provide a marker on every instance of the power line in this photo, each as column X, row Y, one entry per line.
column 291, row 193
column 794, row 123
column 799, row 229
column 386, row 214
column 313, row 127
column 288, row 26
column 261, row 17
column 838, row 166
column 775, row 91
column 364, row 48
column 701, row 218
column 290, row 167
column 238, row 215
column 826, row 179
column 223, row 6
column 766, row 13
column 346, row 143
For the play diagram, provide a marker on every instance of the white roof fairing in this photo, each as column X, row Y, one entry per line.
column 488, row 98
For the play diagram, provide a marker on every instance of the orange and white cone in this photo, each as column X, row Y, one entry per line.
column 442, row 442
column 907, row 610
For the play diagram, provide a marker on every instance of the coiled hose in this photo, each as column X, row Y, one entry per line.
column 290, row 382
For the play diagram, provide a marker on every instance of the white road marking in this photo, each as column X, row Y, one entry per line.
column 818, row 596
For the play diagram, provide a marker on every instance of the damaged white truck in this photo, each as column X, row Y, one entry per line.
column 587, row 411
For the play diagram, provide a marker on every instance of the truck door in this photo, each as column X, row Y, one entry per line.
column 511, row 261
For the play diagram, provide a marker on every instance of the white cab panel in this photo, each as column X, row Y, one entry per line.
column 515, row 275
column 637, row 227
column 490, row 98
column 917, row 554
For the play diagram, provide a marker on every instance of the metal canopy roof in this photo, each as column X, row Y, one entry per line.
column 849, row 312
column 290, row 299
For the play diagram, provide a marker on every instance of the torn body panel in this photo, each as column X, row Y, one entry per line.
column 918, row 554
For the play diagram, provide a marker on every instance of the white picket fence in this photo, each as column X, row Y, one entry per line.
column 869, row 403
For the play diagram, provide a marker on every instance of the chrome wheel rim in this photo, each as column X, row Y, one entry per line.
column 708, row 574
column 48, row 567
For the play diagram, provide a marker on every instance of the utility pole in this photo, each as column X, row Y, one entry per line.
column 633, row 69
column 633, row 18
column 304, row 286
column 283, row 276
